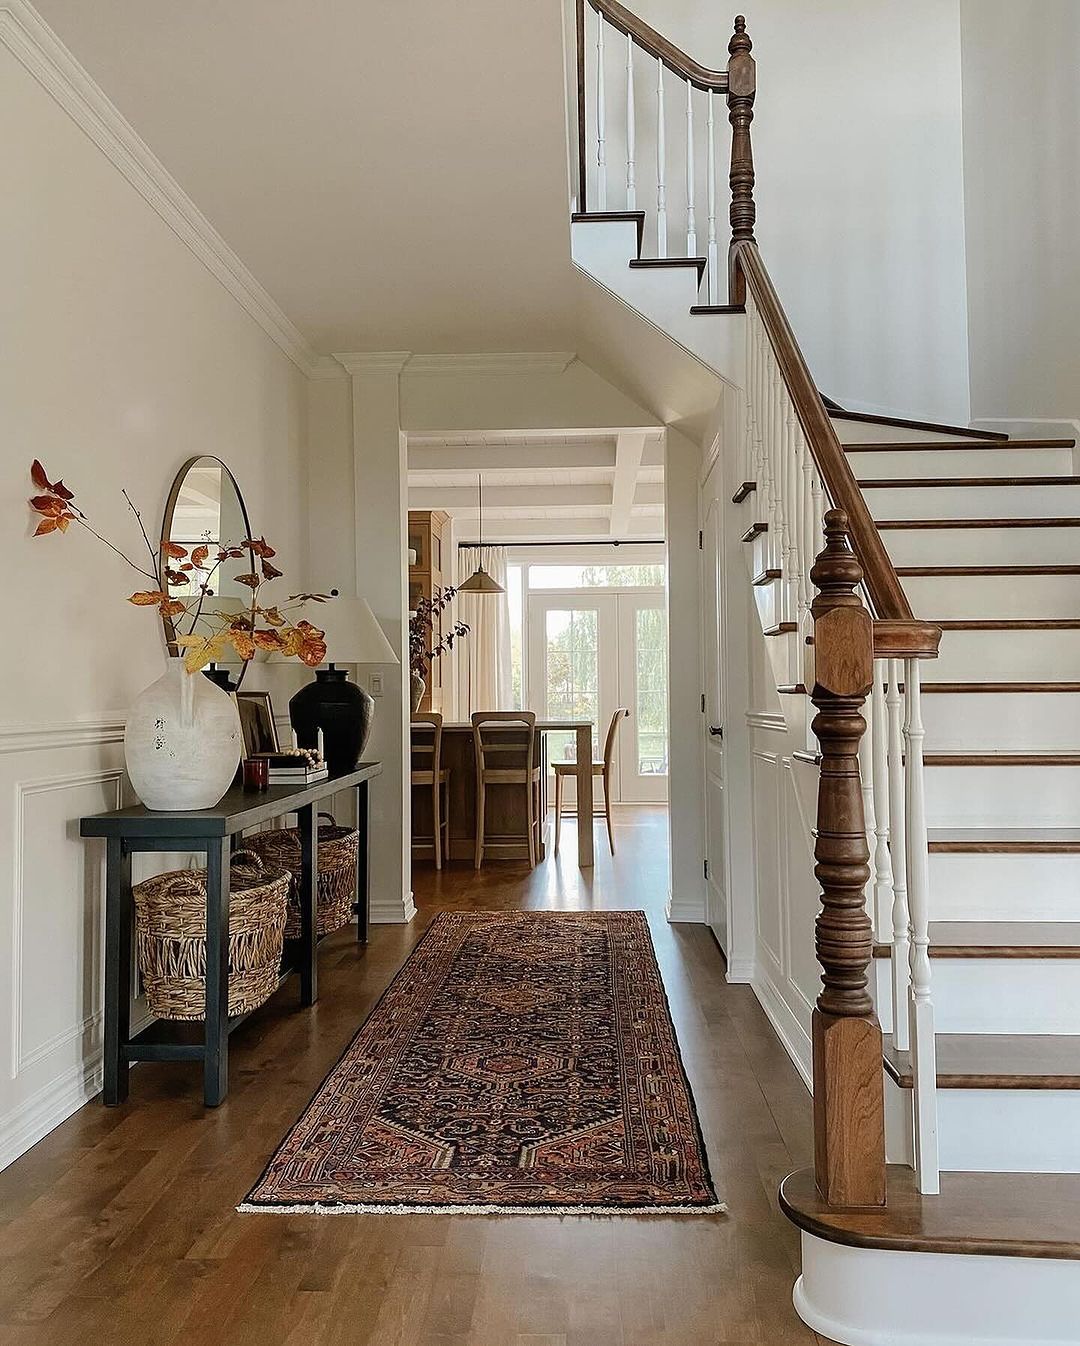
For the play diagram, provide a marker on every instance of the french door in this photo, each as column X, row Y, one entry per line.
column 589, row 653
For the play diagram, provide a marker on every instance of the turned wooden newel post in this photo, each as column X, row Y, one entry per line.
column 742, row 84
column 849, row 1110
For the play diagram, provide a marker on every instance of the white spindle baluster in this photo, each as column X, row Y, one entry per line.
column 601, row 149
column 807, row 541
column 898, row 853
column 691, row 217
column 759, row 426
column 791, row 559
column 880, row 769
column 923, row 1045
column 776, row 531
column 661, row 165
column 631, row 132
column 710, row 177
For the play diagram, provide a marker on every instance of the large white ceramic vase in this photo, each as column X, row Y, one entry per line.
column 182, row 741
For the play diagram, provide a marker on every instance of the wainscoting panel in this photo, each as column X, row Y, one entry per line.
column 765, row 771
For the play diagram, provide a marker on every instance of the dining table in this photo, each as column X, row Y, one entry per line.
column 506, row 834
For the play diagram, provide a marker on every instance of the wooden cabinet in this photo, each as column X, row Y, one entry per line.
column 426, row 529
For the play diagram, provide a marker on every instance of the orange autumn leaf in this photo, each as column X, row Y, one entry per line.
column 270, row 572
column 171, row 607
column 46, row 526
column 268, row 640
column 41, row 480
column 62, row 521
column 307, row 643
column 260, row 547
column 47, row 504
column 173, row 550
column 243, row 643
column 199, row 555
column 272, row 616
column 147, row 597
column 252, row 581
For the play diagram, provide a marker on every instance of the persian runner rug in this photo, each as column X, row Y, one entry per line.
column 520, row 1062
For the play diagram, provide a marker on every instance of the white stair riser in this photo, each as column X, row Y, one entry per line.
column 866, row 432
column 946, row 598
column 1017, row 887
column 996, row 995
column 874, row 1297
column 992, row 1130
column 1007, row 656
column 1009, row 721
column 982, row 546
column 973, row 502
column 962, row 463
column 1003, row 796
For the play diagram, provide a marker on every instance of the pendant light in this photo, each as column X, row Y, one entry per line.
column 480, row 582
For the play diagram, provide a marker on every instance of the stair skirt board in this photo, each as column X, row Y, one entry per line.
column 881, row 1297
column 992, row 1130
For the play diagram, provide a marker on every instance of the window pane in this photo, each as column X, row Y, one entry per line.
column 650, row 661
column 570, row 674
column 593, row 577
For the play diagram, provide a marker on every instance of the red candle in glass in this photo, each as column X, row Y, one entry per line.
column 256, row 773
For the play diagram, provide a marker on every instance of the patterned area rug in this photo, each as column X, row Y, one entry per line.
column 520, row 1062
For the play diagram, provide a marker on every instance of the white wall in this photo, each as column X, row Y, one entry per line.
column 123, row 356
column 1022, row 199
column 857, row 147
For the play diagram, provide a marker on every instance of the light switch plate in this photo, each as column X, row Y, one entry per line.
column 376, row 684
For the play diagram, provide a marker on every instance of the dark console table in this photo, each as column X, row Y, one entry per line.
column 215, row 831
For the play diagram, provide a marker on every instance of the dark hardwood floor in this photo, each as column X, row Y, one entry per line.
column 119, row 1226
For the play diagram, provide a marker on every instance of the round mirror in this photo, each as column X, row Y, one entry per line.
column 205, row 509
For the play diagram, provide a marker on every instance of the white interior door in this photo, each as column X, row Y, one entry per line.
column 643, row 742
column 713, row 718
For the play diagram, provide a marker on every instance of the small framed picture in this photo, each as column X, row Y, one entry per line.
column 257, row 722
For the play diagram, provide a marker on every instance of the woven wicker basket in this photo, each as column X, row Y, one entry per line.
column 338, row 847
column 170, row 937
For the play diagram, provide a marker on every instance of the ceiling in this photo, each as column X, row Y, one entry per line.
column 394, row 174
column 592, row 485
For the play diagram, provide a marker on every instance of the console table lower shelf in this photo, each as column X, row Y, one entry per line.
column 216, row 832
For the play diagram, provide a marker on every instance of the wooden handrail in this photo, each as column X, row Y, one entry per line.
column 648, row 39
column 882, row 583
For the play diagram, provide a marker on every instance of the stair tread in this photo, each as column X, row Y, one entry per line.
column 1009, row 624
column 1003, row 1214
column 1004, row 840
column 945, row 444
column 1001, row 939
column 755, row 530
column 952, row 572
column 700, row 263
column 636, row 217
column 996, row 1061
column 961, row 758
column 704, row 310
column 894, row 524
column 1002, row 687
column 905, row 483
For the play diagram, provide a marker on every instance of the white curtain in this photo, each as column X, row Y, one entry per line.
column 485, row 668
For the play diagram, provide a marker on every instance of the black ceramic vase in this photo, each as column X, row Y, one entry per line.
column 341, row 709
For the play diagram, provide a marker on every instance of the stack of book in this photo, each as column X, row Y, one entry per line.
column 300, row 768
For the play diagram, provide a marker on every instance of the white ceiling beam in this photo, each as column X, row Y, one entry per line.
column 462, row 499
column 628, row 450
column 496, row 457
column 524, row 530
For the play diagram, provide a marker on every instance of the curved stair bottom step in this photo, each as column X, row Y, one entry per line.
column 880, row 1297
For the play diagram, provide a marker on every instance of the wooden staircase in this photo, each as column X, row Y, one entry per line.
column 947, row 1033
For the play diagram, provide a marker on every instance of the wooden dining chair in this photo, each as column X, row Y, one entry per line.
column 505, row 745
column 425, row 734
column 601, row 769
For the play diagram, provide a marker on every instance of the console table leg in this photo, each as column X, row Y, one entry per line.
column 309, row 878
column 363, row 863
column 216, row 1037
column 118, row 916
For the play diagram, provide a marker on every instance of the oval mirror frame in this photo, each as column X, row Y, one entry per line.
column 166, row 536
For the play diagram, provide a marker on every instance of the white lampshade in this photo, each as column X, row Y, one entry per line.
column 353, row 636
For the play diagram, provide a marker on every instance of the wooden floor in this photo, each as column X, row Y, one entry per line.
column 119, row 1227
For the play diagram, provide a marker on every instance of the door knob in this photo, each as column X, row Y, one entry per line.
column 717, row 730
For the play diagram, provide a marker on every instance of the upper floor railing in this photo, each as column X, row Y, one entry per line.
column 853, row 634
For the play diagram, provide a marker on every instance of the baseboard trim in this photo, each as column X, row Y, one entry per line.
column 793, row 1036
column 394, row 914
column 741, row 970
column 680, row 912
column 50, row 1105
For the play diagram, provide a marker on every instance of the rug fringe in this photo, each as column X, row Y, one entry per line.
column 344, row 1208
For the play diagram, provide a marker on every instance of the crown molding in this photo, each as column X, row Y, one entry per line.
column 493, row 362
column 373, row 362
column 326, row 367
column 34, row 44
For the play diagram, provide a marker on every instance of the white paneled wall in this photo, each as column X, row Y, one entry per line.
column 140, row 342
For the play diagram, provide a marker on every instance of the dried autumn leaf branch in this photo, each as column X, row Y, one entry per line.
column 175, row 566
